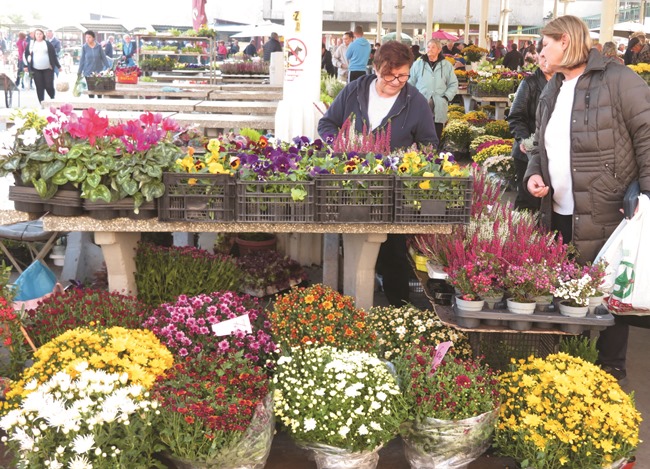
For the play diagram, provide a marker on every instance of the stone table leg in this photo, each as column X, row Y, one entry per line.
column 119, row 254
column 467, row 102
column 499, row 111
column 359, row 257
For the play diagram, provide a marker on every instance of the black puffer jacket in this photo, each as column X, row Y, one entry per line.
column 610, row 147
column 522, row 113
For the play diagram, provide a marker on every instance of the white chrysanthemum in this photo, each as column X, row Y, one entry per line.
column 363, row 430
column 310, row 424
column 375, row 426
column 83, row 443
column 343, row 431
column 401, row 330
column 53, row 464
column 80, row 462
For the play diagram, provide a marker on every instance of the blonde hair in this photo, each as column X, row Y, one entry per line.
column 640, row 35
column 579, row 41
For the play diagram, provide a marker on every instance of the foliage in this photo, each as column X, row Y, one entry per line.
column 320, row 315
column 87, row 419
column 331, row 86
column 398, row 328
column 185, row 326
column 564, row 412
column 474, row 53
column 491, row 148
column 136, row 352
column 207, row 401
column 500, row 128
column 245, row 67
column 152, row 64
column 164, row 273
column 340, row 398
column 580, row 346
column 456, row 389
column 269, row 269
column 84, row 307
column 481, row 139
column 643, row 70
column 458, row 133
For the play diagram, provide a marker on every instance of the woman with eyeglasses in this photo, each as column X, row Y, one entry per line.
column 375, row 100
column 434, row 77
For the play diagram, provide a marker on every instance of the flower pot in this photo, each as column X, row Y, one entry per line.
column 520, row 308
column 329, row 457
column 573, row 311
column 252, row 245
column 470, row 306
column 595, row 302
column 492, row 300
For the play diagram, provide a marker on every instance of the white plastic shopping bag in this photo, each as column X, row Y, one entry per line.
column 628, row 273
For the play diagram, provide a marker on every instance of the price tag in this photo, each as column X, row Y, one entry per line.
column 240, row 323
column 441, row 351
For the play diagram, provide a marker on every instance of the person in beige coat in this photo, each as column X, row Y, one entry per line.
column 593, row 140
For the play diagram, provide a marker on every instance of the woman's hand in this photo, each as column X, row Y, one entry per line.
column 522, row 147
column 536, row 186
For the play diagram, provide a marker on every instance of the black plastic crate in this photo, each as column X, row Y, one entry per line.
column 271, row 201
column 197, row 197
column 436, row 200
column 499, row 348
column 357, row 198
column 100, row 83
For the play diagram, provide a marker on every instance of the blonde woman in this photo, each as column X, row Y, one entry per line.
column 593, row 140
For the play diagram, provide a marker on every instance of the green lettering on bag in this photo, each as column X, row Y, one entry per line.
column 624, row 282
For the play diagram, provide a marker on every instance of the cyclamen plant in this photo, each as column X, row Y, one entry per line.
column 185, row 327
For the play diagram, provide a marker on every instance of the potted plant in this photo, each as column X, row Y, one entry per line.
column 452, row 407
column 269, row 272
column 474, row 53
column 84, row 418
column 398, row 328
column 207, row 422
column 526, row 282
column 555, row 414
column 574, row 289
column 361, row 412
column 473, row 276
column 256, row 241
column 319, row 315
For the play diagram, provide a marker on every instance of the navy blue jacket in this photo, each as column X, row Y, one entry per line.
column 410, row 117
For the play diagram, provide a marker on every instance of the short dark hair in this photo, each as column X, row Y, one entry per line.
column 349, row 34
column 358, row 29
column 633, row 42
column 90, row 33
column 513, row 46
column 392, row 54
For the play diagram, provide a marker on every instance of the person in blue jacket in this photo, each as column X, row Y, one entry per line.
column 377, row 100
column 358, row 54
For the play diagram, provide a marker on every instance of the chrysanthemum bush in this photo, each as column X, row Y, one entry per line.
column 91, row 420
column 457, row 389
column 345, row 399
column 164, row 273
column 185, row 326
column 564, row 412
column 214, row 411
column 320, row 315
column 136, row 352
column 397, row 328
column 84, row 307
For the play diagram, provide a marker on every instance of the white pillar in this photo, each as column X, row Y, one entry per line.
column 506, row 18
column 297, row 113
column 500, row 27
column 359, row 257
column 398, row 29
column 466, row 34
column 483, row 25
column 429, row 29
column 607, row 20
column 379, row 20
column 555, row 9
column 119, row 254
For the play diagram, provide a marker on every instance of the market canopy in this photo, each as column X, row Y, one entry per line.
column 260, row 30
column 406, row 39
column 626, row 28
column 443, row 35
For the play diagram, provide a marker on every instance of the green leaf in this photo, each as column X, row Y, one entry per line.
column 72, row 173
column 93, row 179
column 298, row 194
column 129, row 186
column 59, row 179
column 48, row 170
column 41, row 187
column 153, row 190
column 100, row 192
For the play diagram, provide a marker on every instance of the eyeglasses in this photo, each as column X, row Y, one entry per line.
column 399, row 78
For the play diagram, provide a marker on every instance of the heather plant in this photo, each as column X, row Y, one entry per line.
column 348, row 139
column 84, row 307
column 526, row 281
column 164, row 273
column 186, row 326
column 475, row 275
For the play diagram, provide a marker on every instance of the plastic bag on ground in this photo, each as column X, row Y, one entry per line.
column 330, row 457
column 448, row 444
column 79, row 87
column 252, row 450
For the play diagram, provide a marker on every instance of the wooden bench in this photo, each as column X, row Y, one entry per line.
column 214, row 124
column 227, row 95
column 137, row 105
column 236, row 107
column 136, row 92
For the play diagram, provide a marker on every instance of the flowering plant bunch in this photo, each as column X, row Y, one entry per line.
column 562, row 411
column 349, row 140
column 596, row 271
column 91, row 419
column 340, row 398
column 398, row 328
column 502, row 166
column 136, row 352
column 320, row 315
column 492, row 148
column 207, row 404
column 108, row 73
column 458, row 133
column 500, row 128
column 185, row 327
column 478, row 118
column 11, row 337
column 245, row 67
column 481, row 139
column 128, row 70
column 84, row 307
column 455, row 389
column 643, row 70
column 414, row 163
column 528, row 280
column 269, row 270
column 476, row 277
column 214, row 161
column 576, row 291
column 474, row 53
column 20, row 139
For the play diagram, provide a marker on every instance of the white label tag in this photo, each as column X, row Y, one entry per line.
column 241, row 323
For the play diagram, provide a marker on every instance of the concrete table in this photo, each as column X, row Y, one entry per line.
column 467, row 99
column 137, row 92
column 118, row 239
column 129, row 104
column 212, row 124
column 237, row 107
column 245, row 95
column 500, row 103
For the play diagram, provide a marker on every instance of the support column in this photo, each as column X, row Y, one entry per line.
column 429, row 29
column 607, row 20
column 119, row 255
column 483, row 25
column 379, row 20
column 331, row 243
column 359, row 258
column 467, row 16
column 399, row 7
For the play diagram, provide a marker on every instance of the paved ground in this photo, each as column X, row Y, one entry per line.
column 285, row 455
